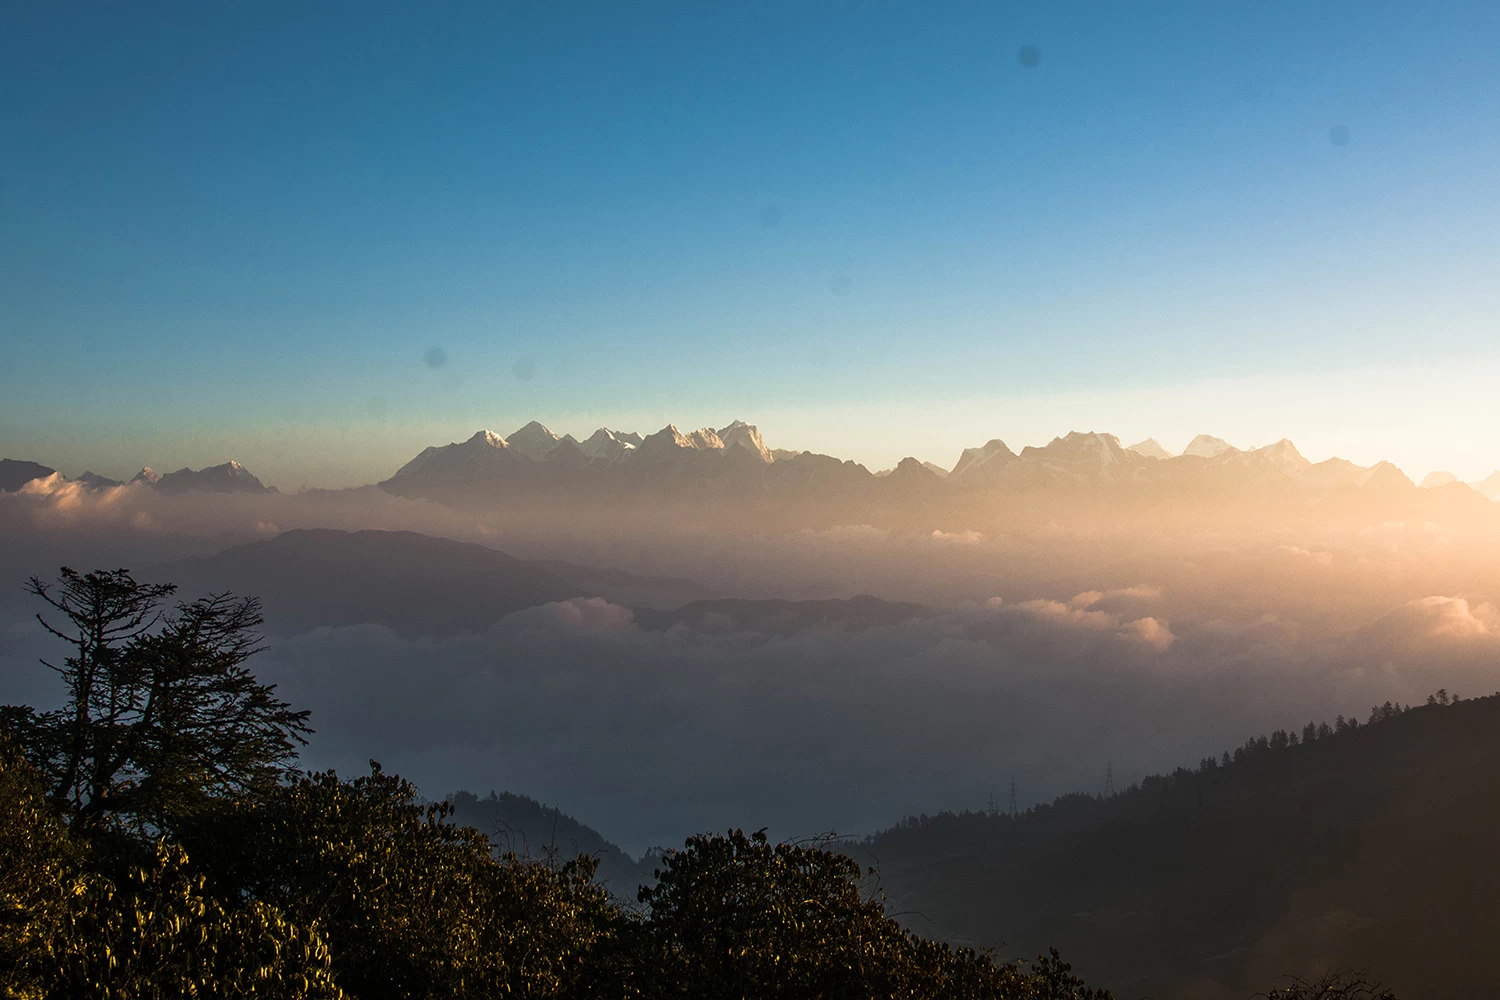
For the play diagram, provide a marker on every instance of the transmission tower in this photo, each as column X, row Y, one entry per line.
column 1109, row 779
column 1013, row 796
column 994, row 808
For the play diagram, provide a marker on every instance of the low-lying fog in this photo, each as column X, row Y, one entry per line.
column 1051, row 651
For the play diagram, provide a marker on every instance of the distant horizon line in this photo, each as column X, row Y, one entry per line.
column 1433, row 477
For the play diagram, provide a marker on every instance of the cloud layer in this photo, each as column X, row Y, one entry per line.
column 652, row 735
column 1052, row 651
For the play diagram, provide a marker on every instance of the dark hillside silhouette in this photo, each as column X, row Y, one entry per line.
column 1368, row 846
column 529, row 829
column 14, row 474
column 413, row 584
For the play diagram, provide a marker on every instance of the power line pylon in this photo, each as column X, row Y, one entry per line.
column 1109, row 779
column 1013, row 796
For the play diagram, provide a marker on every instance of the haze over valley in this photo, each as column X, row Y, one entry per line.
column 816, row 646
column 901, row 501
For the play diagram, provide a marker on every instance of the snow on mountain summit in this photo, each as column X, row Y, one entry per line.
column 534, row 440
column 746, row 436
column 1150, row 447
column 995, row 453
column 606, row 444
column 1207, row 446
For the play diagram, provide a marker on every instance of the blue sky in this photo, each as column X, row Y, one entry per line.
column 239, row 229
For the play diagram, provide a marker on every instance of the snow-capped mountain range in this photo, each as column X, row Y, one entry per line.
column 735, row 460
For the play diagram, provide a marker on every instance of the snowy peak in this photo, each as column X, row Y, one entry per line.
column 1385, row 476
column 1088, row 447
column 1207, row 446
column 482, row 447
column 705, row 439
column 747, row 436
column 147, row 475
column 231, row 477
column 1284, row 455
column 1433, row 480
column 994, row 451
column 1150, row 447
column 1489, row 486
column 534, row 440
column 485, row 439
column 606, row 444
column 670, row 438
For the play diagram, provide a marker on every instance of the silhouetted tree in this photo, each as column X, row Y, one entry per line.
column 161, row 712
column 1334, row 986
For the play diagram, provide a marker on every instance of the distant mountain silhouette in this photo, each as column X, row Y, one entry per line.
column 1207, row 446
column 1151, row 448
column 14, row 474
column 729, row 480
column 527, row 828
column 1489, row 487
column 1369, row 847
column 413, row 584
column 231, row 477
column 777, row 617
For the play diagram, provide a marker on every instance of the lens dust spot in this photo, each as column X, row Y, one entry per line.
column 524, row 369
column 1028, row 56
column 840, row 284
column 1339, row 135
column 435, row 357
column 770, row 216
column 378, row 407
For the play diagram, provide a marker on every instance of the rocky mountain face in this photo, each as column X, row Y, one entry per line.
column 231, row 477
column 15, row 474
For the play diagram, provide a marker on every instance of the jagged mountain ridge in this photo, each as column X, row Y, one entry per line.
column 230, row 477
column 701, row 473
column 734, row 464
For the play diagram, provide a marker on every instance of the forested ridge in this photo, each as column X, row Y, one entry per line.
column 1342, row 844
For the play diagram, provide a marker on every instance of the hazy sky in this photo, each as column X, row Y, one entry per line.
column 317, row 237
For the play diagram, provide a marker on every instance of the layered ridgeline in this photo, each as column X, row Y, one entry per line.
column 418, row 585
column 230, row 477
column 1344, row 846
column 730, row 477
column 412, row 584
